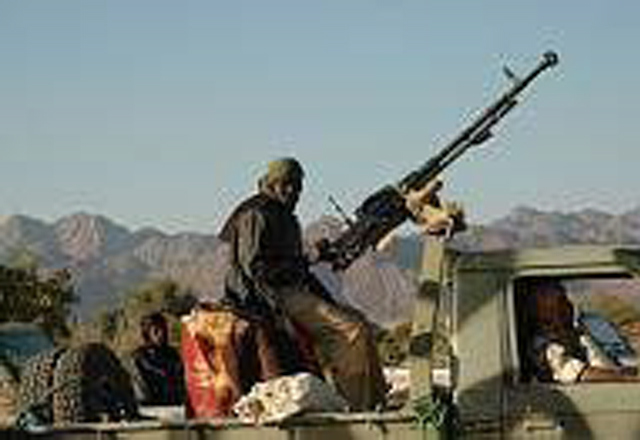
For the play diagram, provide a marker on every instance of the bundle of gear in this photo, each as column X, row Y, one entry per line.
column 74, row 385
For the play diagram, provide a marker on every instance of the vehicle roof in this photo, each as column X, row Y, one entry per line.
column 570, row 260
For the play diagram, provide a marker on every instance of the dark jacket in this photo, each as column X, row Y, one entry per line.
column 158, row 375
column 267, row 261
column 266, row 254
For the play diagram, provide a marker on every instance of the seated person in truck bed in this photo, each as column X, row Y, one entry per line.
column 157, row 367
column 556, row 350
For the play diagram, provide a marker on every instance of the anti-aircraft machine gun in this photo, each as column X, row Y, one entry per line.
column 386, row 209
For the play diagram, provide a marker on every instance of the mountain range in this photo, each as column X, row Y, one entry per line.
column 107, row 260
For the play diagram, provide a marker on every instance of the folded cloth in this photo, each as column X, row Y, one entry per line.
column 278, row 399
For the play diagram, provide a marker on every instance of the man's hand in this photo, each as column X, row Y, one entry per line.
column 432, row 215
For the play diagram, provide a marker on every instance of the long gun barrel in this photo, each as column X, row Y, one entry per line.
column 384, row 210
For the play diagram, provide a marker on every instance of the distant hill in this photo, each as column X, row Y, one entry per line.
column 526, row 226
column 108, row 259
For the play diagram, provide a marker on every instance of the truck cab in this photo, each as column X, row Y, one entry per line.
column 481, row 309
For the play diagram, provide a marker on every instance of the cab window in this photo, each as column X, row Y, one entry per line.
column 577, row 330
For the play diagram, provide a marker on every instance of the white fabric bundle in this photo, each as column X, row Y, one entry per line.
column 282, row 397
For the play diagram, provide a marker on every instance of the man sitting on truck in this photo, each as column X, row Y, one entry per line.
column 556, row 350
column 269, row 277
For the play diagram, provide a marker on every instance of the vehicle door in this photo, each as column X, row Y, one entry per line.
column 539, row 407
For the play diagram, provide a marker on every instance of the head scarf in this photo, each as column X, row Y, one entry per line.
column 283, row 169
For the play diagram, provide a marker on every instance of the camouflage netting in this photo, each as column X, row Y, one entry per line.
column 36, row 383
column 80, row 384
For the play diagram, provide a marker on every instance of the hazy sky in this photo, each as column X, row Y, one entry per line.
column 163, row 113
